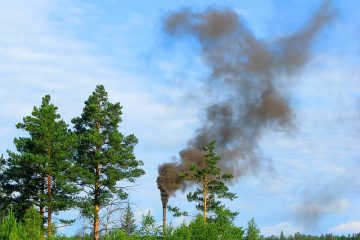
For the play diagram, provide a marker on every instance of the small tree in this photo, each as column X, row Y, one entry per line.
column 282, row 236
column 104, row 155
column 252, row 231
column 127, row 220
column 210, row 182
column 29, row 228
column 148, row 225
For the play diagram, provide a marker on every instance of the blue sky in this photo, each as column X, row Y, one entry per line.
column 66, row 48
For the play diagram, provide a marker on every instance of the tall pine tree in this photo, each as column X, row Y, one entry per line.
column 40, row 171
column 210, row 182
column 104, row 156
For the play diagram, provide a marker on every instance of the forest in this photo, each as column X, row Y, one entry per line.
column 88, row 167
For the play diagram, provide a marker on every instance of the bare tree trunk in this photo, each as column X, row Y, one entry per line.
column 108, row 216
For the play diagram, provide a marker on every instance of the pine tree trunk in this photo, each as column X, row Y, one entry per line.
column 97, row 193
column 42, row 208
column 49, row 205
column 96, row 203
column 96, row 222
column 49, row 199
column 205, row 187
column 205, row 207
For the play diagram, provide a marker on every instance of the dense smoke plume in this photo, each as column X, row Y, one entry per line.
column 251, row 77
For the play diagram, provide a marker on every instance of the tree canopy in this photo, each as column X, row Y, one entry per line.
column 40, row 172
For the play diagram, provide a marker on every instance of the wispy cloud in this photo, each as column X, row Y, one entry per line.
column 346, row 228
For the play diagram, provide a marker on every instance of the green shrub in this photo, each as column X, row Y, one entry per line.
column 9, row 228
column 198, row 230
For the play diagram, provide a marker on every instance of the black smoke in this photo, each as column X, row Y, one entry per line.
column 252, row 77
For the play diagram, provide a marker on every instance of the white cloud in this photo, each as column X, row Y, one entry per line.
column 178, row 221
column 346, row 228
column 287, row 228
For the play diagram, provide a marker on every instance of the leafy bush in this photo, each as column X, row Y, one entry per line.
column 149, row 229
column 198, row 230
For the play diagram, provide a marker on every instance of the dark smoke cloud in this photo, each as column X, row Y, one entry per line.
column 250, row 76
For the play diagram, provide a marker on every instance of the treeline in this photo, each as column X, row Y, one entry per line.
column 31, row 228
column 299, row 236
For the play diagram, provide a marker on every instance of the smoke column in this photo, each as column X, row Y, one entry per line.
column 251, row 77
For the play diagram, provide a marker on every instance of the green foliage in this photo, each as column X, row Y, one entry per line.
column 128, row 221
column 39, row 172
column 282, row 236
column 252, row 231
column 32, row 224
column 210, row 182
column 176, row 211
column 115, row 235
column 148, row 226
column 30, row 228
column 9, row 228
column 198, row 230
column 223, row 215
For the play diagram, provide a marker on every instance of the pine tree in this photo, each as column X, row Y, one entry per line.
column 39, row 171
column 252, row 231
column 104, row 156
column 210, row 182
column 282, row 236
column 127, row 220
column 148, row 226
